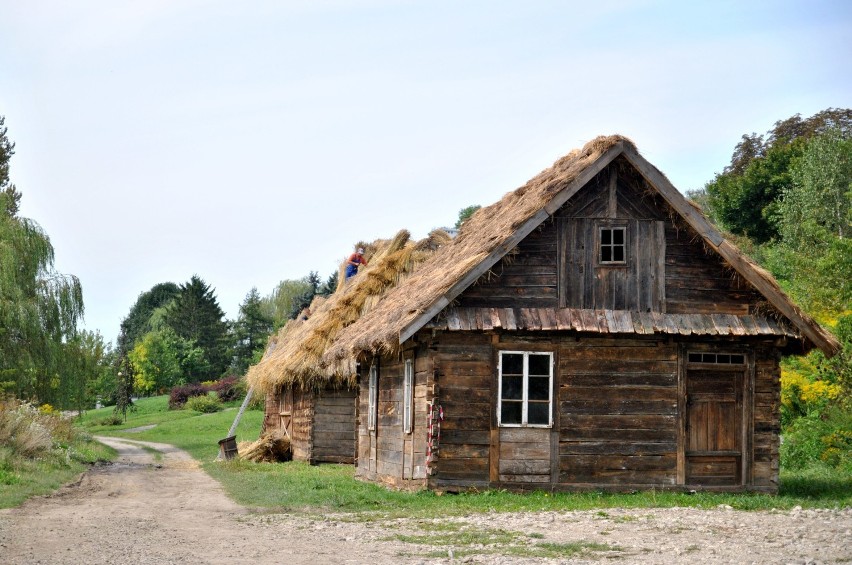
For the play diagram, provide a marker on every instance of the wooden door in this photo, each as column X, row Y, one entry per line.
column 285, row 413
column 714, row 424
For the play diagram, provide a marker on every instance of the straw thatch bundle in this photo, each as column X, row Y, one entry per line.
column 270, row 448
column 295, row 354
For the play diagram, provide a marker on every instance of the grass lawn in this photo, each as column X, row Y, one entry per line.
column 324, row 488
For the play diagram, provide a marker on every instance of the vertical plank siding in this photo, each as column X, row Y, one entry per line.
column 303, row 412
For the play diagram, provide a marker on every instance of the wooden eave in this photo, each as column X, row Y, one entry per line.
column 607, row 322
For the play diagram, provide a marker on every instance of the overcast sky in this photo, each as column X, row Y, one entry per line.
column 250, row 142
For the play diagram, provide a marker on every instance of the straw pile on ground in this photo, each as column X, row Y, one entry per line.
column 295, row 355
column 269, row 448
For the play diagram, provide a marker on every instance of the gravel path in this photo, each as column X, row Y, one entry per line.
column 144, row 510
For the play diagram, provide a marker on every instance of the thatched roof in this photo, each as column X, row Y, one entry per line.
column 294, row 355
column 494, row 231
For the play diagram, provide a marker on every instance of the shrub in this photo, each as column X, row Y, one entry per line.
column 30, row 431
column 819, row 437
column 229, row 388
column 111, row 420
column 204, row 404
column 180, row 394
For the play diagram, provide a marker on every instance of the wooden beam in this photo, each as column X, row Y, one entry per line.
column 612, row 204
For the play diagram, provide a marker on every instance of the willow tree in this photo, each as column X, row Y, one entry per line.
column 39, row 307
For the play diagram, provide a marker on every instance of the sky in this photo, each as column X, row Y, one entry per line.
column 252, row 142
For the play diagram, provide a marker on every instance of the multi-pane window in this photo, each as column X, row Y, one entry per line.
column 407, row 395
column 372, row 395
column 717, row 358
column 526, row 382
column 612, row 245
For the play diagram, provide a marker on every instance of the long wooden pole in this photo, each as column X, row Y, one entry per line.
column 236, row 423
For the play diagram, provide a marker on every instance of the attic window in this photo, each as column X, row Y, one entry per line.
column 612, row 245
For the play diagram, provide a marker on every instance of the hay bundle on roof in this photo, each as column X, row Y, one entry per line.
column 294, row 355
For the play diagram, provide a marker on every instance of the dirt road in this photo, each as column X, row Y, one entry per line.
column 147, row 510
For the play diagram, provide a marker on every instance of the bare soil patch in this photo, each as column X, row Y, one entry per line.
column 145, row 510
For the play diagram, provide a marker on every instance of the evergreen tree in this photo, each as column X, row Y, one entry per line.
column 139, row 320
column 39, row 307
column 304, row 300
column 251, row 330
column 330, row 285
column 195, row 315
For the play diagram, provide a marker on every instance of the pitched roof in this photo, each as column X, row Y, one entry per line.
column 495, row 230
column 294, row 355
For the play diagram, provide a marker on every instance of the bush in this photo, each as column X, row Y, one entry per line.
column 111, row 420
column 205, row 404
column 229, row 388
column 180, row 394
column 819, row 438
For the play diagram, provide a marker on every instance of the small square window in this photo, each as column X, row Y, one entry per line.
column 612, row 245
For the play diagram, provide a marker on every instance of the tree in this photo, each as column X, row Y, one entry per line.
column 161, row 359
column 745, row 197
column 279, row 304
column 330, row 285
column 143, row 315
column 465, row 214
column 304, row 300
column 815, row 219
column 39, row 307
column 251, row 330
column 195, row 315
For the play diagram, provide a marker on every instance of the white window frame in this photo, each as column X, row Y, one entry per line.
column 612, row 245
column 372, row 397
column 407, row 395
column 525, row 395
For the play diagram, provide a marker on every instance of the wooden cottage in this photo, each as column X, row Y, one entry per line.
column 589, row 330
column 314, row 404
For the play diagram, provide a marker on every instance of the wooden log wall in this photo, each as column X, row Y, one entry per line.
column 464, row 377
column 271, row 420
column 617, row 422
column 697, row 281
column 387, row 454
column 334, row 427
column 527, row 278
column 617, row 405
column 767, row 419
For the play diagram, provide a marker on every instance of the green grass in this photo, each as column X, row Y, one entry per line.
column 197, row 433
column 332, row 488
column 22, row 478
column 465, row 540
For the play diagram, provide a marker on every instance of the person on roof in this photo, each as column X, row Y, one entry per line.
column 354, row 261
